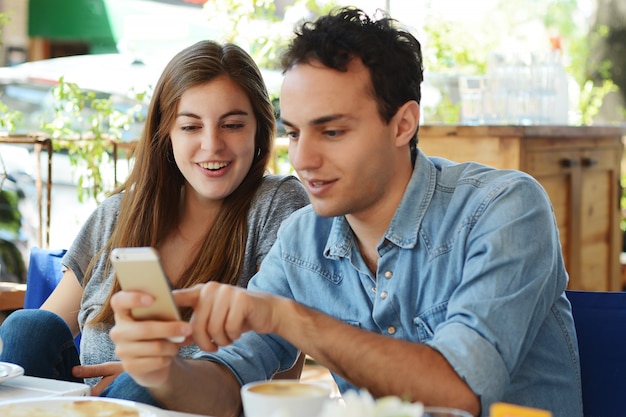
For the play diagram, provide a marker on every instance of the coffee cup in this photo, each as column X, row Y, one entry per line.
column 283, row 398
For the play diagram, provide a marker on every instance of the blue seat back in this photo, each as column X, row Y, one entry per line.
column 600, row 319
column 44, row 273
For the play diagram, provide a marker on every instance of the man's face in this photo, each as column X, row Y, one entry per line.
column 344, row 153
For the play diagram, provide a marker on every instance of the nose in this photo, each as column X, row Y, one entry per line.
column 211, row 140
column 304, row 153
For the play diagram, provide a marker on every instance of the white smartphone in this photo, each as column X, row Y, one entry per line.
column 139, row 269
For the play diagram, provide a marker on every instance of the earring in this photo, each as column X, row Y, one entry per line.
column 258, row 152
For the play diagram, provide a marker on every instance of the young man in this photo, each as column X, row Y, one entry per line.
column 408, row 275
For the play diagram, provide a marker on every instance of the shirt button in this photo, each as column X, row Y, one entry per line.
column 383, row 295
column 391, row 329
column 374, row 289
column 388, row 274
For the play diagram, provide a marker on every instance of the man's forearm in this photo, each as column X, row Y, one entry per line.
column 201, row 387
column 383, row 365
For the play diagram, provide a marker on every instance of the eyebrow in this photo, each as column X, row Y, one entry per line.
column 319, row 121
column 230, row 113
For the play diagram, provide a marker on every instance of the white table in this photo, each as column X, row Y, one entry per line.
column 24, row 387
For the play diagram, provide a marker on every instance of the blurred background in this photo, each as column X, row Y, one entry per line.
column 520, row 62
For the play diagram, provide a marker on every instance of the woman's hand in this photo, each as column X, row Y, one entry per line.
column 143, row 346
column 108, row 371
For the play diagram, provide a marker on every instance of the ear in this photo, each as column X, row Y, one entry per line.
column 406, row 121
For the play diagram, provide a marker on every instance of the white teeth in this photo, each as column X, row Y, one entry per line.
column 213, row 165
column 317, row 183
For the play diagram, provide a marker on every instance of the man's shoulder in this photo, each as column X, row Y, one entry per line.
column 470, row 186
column 474, row 172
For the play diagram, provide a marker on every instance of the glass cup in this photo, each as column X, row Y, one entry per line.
column 444, row 412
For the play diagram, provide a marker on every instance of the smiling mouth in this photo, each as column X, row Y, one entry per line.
column 318, row 183
column 213, row 166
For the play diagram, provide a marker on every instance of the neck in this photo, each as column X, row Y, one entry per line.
column 369, row 225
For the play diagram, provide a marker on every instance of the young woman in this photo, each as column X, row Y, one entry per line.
column 198, row 193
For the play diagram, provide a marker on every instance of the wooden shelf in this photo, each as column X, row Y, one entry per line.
column 580, row 168
column 12, row 296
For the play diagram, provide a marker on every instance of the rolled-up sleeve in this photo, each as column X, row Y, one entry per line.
column 512, row 275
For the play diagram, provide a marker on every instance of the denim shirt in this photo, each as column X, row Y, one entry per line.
column 470, row 265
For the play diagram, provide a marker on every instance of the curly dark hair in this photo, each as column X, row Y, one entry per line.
column 392, row 54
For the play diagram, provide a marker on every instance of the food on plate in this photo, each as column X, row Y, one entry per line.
column 75, row 408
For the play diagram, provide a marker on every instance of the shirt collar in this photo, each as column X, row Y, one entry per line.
column 405, row 224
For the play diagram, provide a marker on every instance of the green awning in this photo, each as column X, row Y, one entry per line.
column 72, row 20
column 104, row 24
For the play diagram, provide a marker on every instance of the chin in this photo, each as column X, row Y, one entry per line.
column 326, row 210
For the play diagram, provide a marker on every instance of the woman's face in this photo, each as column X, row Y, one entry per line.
column 213, row 138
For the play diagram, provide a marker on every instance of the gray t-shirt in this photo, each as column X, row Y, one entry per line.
column 276, row 199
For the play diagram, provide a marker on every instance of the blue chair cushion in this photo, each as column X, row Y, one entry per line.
column 44, row 274
column 600, row 319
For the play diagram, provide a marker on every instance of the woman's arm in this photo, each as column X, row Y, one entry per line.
column 65, row 300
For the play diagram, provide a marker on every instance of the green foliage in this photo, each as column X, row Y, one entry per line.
column 591, row 99
column 4, row 19
column 316, row 7
column 85, row 125
column 254, row 25
column 580, row 41
column 457, row 48
column 10, row 217
column 446, row 112
column 248, row 23
column 14, row 266
column 558, row 15
column 282, row 162
column 592, row 94
column 234, row 15
column 9, row 118
column 452, row 46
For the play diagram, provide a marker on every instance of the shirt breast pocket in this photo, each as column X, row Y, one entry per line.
column 426, row 322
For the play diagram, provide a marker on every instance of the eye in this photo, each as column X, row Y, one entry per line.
column 188, row 128
column 292, row 135
column 233, row 126
column 333, row 133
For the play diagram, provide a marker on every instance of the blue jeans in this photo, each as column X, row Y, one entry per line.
column 41, row 343
column 124, row 387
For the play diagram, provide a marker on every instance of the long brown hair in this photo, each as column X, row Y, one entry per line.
column 150, row 206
